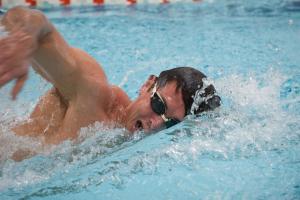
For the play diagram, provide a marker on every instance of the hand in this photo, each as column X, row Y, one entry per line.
column 15, row 52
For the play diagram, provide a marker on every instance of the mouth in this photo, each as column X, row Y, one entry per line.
column 139, row 125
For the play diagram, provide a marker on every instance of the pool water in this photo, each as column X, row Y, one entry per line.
column 249, row 148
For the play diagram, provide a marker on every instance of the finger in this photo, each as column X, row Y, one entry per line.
column 12, row 62
column 18, row 86
column 10, row 68
column 12, row 74
column 13, row 50
column 5, row 78
column 7, row 65
column 4, row 68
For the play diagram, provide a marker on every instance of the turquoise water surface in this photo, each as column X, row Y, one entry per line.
column 249, row 148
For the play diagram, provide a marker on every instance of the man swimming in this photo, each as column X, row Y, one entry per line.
column 81, row 94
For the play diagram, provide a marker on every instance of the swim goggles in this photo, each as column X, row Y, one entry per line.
column 159, row 107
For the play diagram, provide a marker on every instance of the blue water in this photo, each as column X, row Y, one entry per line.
column 247, row 149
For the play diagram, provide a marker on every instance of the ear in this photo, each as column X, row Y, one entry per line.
column 147, row 86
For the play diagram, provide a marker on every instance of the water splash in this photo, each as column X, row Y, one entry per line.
column 199, row 97
column 252, row 123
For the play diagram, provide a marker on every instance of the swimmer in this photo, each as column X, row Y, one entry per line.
column 81, row 94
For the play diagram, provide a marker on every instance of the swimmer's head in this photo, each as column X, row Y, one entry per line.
column 198, row 94
column 165, row 100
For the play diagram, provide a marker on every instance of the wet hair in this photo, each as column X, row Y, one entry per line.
column 198, row 95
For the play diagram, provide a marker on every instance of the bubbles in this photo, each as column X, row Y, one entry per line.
column 251, row 126
column 289, row 94
column 199, row 96
column 10, row 143
column 240, row 129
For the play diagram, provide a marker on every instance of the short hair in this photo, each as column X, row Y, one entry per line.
column 193, row 87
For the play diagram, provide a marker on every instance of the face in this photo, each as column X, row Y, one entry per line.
column 141, row 114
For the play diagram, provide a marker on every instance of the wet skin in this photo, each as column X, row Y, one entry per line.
column 81, row 94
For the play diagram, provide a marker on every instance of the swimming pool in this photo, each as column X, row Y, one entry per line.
column 248, row 149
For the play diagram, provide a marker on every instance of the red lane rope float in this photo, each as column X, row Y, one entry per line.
column 31, row 2
column 131, row 2
column 98, row 2
column 65, row 2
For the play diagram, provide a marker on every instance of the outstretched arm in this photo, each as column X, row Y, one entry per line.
column 33, row 39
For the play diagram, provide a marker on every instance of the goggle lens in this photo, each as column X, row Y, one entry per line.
column 158, row 106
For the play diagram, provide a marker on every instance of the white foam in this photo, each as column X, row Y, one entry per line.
column 198, row 99
column 251, row 121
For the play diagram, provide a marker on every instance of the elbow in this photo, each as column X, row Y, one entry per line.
column 27, row 19
column 16, row 9
column 16, row 15
column 21, row 13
